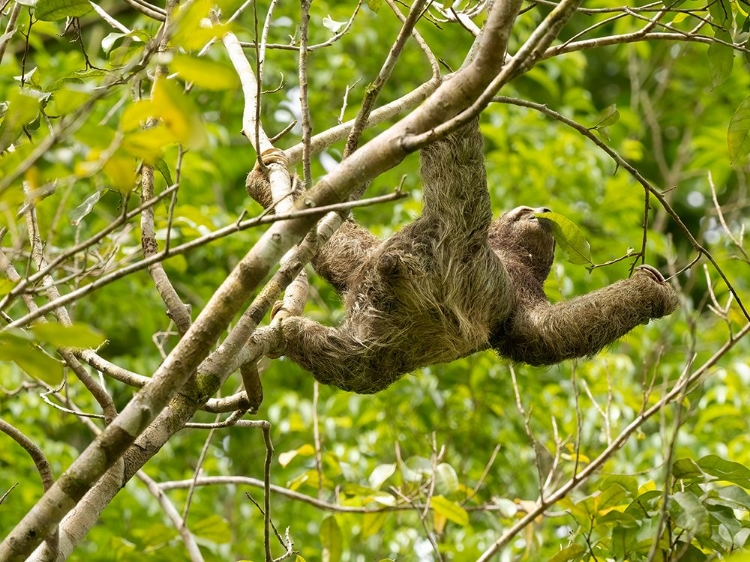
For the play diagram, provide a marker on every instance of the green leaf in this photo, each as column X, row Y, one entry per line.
column 690, row 514
column 30, row 359
column 735, row 497
column 450, row 510
column 720, row 58
column 687, row 469
column 80, row 336
column 569, row 238
column 52, row 10
column 155, row 535
column 626, row 482
column 572, row 552
column 163, row 168
column 213, row 528
column 624, row 540
column 178, row 122
column 205, row 73
column 738, row 134
column 330, row 539
column 608, row 117
column 728, row 471
column 416, row 468
column 612, row 496
column 374, row 5
column 721, row 13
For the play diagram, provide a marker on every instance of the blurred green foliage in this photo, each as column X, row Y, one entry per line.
column 680, row 479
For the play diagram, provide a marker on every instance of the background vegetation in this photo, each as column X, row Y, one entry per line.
column 454, row 458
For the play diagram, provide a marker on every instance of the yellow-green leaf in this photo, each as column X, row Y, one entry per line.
column 67, row 100
column 6, row 286
column 572, row 552
column 120, row 171
column 373, row 522
column 205, row 73
column 192, row 31
column 450, row 510
column 178, row 113
column 22, row 109
column 147, row 144
column 330, row 539
column 136, row 115
column 286, row 457
column 569, row 238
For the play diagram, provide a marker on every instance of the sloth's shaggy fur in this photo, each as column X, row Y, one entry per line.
column 455, row 282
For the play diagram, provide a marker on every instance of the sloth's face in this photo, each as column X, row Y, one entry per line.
column 519, row 232
column 523, row 218
column 526, row 230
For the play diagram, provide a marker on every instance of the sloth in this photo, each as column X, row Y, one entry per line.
column 455, row 282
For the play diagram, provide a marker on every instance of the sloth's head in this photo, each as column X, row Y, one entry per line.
column 528, row 238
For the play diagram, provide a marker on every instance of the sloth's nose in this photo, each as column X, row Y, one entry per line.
column 542, row 210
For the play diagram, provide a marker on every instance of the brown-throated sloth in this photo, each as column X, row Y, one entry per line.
column 454, row 282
